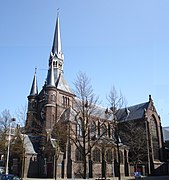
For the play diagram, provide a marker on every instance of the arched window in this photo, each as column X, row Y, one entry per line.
column 65, row 101
column 53, row 117
column 98, row 128
column 154, row 135
column 113, row 134
column 104, row 130
column 78, row 155
column 79, row 127
column 68, row 102
column 115, row 154
column 109, row 130
column 109, row 156
column 93, row 128
column 121, row 157
column 96, row 155
column 53, row 97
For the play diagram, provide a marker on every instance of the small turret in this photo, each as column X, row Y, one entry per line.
column 50, row 77
column 32, row 105
column 34, row 88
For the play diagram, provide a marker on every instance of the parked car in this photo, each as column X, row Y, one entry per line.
column 9, row 177
column 2, row 170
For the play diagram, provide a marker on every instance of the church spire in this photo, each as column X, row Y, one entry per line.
column 56, row 48
column 34, row 88
column 56, row 55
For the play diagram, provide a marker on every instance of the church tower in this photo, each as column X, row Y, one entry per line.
column 46, row 107
column 32, row 104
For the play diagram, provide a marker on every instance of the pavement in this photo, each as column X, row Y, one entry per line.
column 157, row 178
column 115, row 178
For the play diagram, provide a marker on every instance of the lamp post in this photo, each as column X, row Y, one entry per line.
column 9, row 140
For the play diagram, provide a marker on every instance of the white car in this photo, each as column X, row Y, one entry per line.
column 2, row 170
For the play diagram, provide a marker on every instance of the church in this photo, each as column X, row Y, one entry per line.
column 54, row 103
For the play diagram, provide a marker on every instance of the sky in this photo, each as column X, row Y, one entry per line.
column 121, row 43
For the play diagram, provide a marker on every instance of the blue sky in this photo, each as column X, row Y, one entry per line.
column 121, row 43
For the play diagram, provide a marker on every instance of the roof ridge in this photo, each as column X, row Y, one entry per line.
column 137, row 104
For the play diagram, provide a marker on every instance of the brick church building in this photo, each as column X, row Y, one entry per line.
column 55, row 102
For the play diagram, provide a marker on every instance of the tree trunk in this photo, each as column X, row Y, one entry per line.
column 118, row 164
column 84, row 156
column 56, row 168
column 84, row 171
column 23, row 165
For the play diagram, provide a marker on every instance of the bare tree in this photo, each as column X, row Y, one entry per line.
column 18, row 150
column 9, row 140
column 116, row 101
column 21, row 115
column 5, row 119
column 85, row 106
column 134, row 135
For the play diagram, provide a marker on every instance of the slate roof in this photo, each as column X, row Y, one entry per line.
column 29, row 148
column 62, row 84
column 34, row 88
column 133, row 112
column 98, row 112
column 56, row 48
column 166, row 133
column 34, row 142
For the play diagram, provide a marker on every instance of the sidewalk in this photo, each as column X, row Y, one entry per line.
column 115, row 178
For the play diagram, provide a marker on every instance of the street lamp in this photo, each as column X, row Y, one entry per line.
column 9, row 139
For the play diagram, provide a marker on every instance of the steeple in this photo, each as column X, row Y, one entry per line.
column 34, row 88
column 56, row 55
column 50, row 77
column 56, row 48
column 55, row 76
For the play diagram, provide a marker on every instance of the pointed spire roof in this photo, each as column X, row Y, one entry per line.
column 56, row 48
column 34, row 88
column 50, row 77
